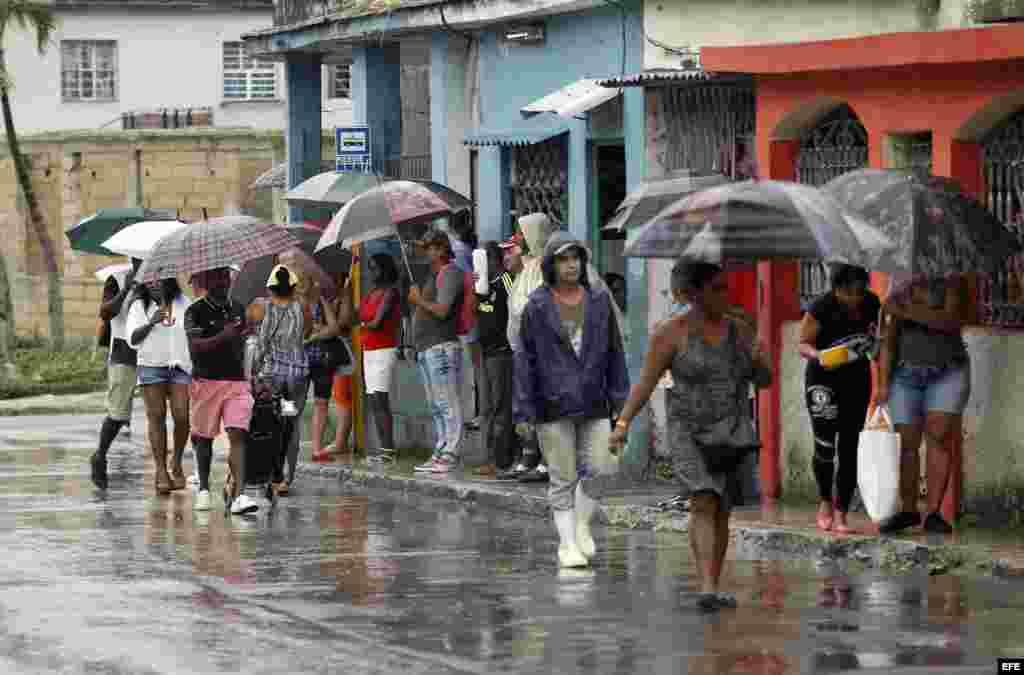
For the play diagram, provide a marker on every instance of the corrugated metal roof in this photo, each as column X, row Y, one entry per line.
column 574, row 99
column 534, row 130
column 654, row 76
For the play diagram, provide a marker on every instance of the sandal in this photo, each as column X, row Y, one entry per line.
column 178, row 480
column 280, row 489
column 163, row 485
column 824, row 521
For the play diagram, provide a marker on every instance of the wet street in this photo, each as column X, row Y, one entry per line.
column 340, row 581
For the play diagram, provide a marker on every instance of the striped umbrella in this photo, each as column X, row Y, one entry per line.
column 214, row 243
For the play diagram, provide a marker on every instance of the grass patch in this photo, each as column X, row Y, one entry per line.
column 43, row 370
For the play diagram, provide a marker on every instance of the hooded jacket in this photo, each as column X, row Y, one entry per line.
column 537, row 233
column 551, row 381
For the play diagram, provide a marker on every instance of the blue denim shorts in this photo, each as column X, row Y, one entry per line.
column 163, row 375
column 919, row 390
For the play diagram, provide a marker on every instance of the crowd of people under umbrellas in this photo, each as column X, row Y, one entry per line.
column 548, row 356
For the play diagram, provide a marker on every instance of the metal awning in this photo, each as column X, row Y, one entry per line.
column 673, row 76
column 527, row 132
column 571, row 100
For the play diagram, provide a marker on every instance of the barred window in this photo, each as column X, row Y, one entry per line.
column 341, row 81
column 88, row 70
column 247, row 77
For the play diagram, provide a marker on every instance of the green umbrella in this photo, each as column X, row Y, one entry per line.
column 88, row 235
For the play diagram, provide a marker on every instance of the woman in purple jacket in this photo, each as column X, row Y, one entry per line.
column 570, row 382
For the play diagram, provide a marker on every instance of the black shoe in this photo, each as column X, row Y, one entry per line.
column 538, row 474
column 511, row 473
column 899, row 522
column 99, row 470
column 708, row 602
column 935, row 524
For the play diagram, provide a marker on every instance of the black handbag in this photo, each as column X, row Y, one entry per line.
column 334, row 354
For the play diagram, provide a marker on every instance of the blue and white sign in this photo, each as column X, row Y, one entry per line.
column 352, row 149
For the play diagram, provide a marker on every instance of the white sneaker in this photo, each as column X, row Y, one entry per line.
column 243, row 504
column 202, row 501
column 288, row 408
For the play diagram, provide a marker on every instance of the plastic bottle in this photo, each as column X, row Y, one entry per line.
column 480, row 268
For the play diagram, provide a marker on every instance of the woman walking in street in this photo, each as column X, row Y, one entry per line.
column 570, row 382
column 924, row 375
column 713, row 359
column 838, row 393
column 380, row 318
column 285, row 323
column 156, row 330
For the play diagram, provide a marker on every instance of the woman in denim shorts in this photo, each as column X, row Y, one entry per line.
column 156, row 330
column 925, row 379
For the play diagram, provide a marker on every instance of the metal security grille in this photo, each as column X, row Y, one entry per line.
column 705, row 125
column 837, row 144
column 1001, row 298
column 539, row 178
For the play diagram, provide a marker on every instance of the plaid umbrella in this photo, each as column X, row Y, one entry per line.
column 251, row 282
column 937, row 228
column 757, row 220
column 88, row 235
column 211, row 244
column 379, row 212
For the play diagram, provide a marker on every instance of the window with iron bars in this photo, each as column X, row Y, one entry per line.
column 247, row 77
column 341, row 81
column 88, row 70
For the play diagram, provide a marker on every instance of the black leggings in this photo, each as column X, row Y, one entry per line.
column 838, row 403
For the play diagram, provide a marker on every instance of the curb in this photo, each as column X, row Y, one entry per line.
column 760, row 542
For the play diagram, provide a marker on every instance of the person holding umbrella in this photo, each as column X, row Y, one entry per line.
column 220, row 394
column 924, row 377
column 156, row 330
column 713, row 359
column 121, row 370
column 838, row 388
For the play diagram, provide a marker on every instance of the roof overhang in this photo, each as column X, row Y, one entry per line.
column 318, row 34
column 661, row 77
column 533, row 130
column 572, row 100
column 888, row 50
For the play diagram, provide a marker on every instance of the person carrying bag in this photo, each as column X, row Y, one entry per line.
column 878, row 466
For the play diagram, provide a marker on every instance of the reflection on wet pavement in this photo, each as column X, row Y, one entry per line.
column 129, row 582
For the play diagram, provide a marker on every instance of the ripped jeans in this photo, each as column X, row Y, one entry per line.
column 441, row 371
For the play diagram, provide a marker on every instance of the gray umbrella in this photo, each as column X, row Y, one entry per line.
column 757, row 220
column 652, row 197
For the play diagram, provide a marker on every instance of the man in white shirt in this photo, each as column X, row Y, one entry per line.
column 121, row 374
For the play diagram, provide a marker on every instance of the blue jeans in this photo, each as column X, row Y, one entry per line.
column 919, row 390
column 441, row 371
column 162, row 375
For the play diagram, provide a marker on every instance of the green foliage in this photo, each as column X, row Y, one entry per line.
column 41, row 370
column 993, row 10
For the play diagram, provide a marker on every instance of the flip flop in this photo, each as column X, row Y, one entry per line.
column 824, row 522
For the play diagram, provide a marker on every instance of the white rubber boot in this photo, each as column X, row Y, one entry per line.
column 585, row 507
column 568, row 552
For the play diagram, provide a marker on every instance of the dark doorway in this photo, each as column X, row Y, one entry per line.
column 609, row 184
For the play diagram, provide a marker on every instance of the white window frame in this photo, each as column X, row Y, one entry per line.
column 332, row 82
column 246, row 78
column 98, row 66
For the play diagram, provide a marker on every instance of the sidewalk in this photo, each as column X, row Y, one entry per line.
column 758, row 531
column 49, row 404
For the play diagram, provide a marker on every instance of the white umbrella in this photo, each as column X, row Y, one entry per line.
column 118, row 271
column 136, row 241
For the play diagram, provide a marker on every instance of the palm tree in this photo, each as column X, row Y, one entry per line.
column 40, row 20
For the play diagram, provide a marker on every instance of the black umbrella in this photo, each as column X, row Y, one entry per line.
column 758, row 220
column 251, row 282
column 937, row 229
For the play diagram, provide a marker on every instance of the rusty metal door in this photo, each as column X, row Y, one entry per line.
column 836, row 144
column 540, row 178
column 1001, row 298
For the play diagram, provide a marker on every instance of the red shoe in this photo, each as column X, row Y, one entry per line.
column 843, row 528
column 824, row 522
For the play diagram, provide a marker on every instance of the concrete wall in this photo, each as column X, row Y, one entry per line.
column 993, row 448
column 74, row 174
column 164, row 59
column 698, row 23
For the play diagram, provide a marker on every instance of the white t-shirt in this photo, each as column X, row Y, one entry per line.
column 165, row 346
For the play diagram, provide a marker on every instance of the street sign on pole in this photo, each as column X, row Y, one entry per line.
column 352, row 149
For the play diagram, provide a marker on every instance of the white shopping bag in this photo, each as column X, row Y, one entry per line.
column 878, row 466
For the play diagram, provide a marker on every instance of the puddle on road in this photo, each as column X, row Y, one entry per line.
column 476, row 589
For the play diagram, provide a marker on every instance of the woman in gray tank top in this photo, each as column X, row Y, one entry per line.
column 925, row 379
